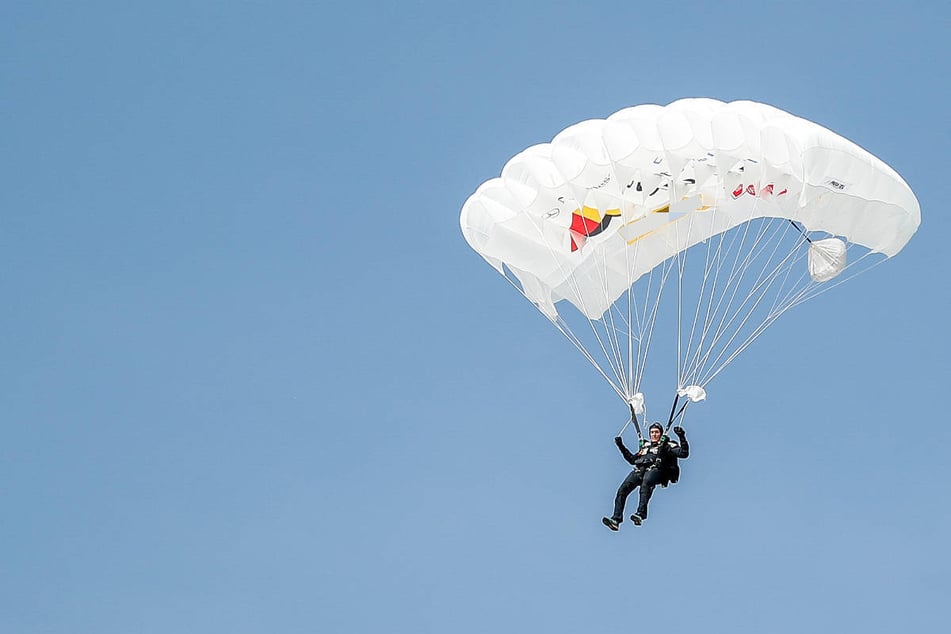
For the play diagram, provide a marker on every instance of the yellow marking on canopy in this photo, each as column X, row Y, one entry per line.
column 662, row 210
column 594, row 214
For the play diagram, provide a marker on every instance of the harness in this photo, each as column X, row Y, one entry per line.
column 669, row 467
column 671, row 472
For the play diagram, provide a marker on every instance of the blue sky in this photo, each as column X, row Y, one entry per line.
column 254, row 380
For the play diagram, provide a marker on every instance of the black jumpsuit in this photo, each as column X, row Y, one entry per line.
column 652, row 466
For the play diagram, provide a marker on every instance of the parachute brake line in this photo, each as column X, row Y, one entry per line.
column 796, row 225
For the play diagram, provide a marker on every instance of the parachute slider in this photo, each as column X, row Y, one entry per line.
column 637, row 403
column 693, row 392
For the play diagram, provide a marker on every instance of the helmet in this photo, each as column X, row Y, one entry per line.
column 657, row 425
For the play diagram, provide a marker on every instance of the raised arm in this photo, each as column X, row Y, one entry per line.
column 625, row 451
column 683, row 449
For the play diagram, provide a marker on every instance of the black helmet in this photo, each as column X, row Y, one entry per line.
column 657, row 425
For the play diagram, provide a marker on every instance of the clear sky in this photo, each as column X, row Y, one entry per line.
column 254, row 380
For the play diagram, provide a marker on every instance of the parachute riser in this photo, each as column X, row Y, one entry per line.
column 632, row 419
column 674, row 417
column 673, row 408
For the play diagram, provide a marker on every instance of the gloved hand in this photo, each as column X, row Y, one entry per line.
column 679, row 431
column 618, row 441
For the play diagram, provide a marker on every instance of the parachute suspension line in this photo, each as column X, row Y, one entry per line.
column 613, row 357
column 567, row 332
column 624, row 369
column 639, row 322
column 632, row 419
column 825, row 287
column 643, row 344
column 632, row 313
column 681, row 268
column 709, row 287
column 650, row 317
column 707, row 299
column 645, row 321
column 793, row 291
column 666, row 181
column 631, row 262
column 715, row 303
column 683, row 355
column 780, row 305
column 762, row 282
column 680, row 304
column 717, row 312
column 565, row 329
column 712, row 257
column 682, row 256
column 810, row 291
column 736, row 244
column 613, row 336
column 636, row 324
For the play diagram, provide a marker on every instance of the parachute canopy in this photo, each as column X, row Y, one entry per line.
column 583, row 224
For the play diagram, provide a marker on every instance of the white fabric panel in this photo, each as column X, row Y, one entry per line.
column 657, row 180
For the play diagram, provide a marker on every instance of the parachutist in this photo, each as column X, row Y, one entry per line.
column 606, row 262
column 655, row 463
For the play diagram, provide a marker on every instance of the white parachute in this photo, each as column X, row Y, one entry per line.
column 718, row 217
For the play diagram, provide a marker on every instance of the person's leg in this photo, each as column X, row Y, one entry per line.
column 631, row 482
column 651, row 479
